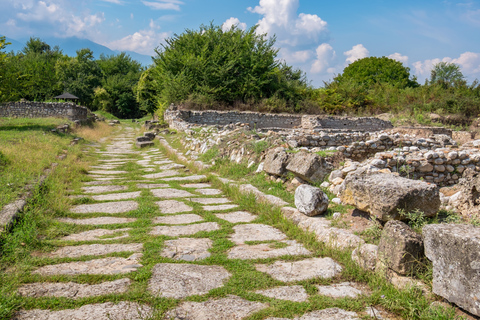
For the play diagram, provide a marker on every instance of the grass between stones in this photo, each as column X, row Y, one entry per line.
column 40, row 232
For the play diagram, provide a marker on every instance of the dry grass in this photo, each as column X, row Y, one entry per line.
column 95, row 132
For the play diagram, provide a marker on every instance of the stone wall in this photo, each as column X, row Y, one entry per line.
column 257, row 120
column 29, row 109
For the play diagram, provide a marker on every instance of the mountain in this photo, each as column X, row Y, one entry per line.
column 69, row 46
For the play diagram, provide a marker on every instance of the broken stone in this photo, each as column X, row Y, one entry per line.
column 231, row 308
column 73, row 290
column 309, row 166
column 325, row 314
column 108, row 207
column 97, row 221
column 97, row 234
column 163, row 174
column 301, row 270
column 366, row 256
column 178, row 219
column 197, row 185
column 255, row 232
column 339, row 290
column 174, row 280
column 117, row 196
column 209, row 192
column 210, row 200
column 220, row 207
column 237, row 216
column 171, row 193
column 187, row 249
column 175, row 231
column 103, row 189
column 94, row 250
column 310, row 200
column 171, row 166
column 290, row 293
column 276, row 161
column 187, row 178
column 152, row 185
column 173, row 206
column 267, row 250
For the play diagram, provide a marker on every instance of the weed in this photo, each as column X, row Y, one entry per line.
column 416, row 219
column 373, row 233
column 260, row 146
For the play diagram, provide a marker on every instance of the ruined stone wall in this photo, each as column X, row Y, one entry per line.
column 44, row 109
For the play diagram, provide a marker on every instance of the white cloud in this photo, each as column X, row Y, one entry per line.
column 280, row 18
column 113, row 1
column 227, row 25
column 143, row 41
column 293, row 57
column 397, row 56
column 325, row 57
column 357, row 52
column 469, row 63
column 164, row 4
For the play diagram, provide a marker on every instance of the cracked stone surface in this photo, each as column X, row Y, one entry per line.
column 117, row 196
column 220, row 207
column 187, row 249
column 210, row 200
column 175, row 231
column 170, row 193
column 163, row 174
column 162, row 162
column 103, row 189
column 197, row 185
column 237, row 216
column 94, row 250
column 112, row 265
column 339, row 290
column 256, row 232
column 98, row 221
column 209, row 192
column 73, row 290
column 291, row 293
column 171, row 166
column 231, row 308
column 112, row 172
column 187, row 178
column 267, row 250
column 152, row 185
column 108, row 207
column 105, row 311
column 301, row 270
column 325, row 314
column 173, row 280
column 173, row 206
column 98, row 234
column 178, row 219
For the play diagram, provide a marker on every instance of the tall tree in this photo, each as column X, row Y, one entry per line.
column 446, row 73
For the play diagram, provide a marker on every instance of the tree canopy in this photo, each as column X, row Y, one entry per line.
column 446, row 73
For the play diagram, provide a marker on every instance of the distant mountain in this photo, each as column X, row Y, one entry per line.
column 69, row 46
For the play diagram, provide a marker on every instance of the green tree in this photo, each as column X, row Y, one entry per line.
column 369, row 71
column 446, row 73
column 3, row 73
column 145, row 92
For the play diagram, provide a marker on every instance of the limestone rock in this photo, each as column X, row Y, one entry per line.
column 455, row 252
column 276, row 162
column 400, row 248
column 384, row 195
column 468, row 201
column 310, row 200
column 309, row 166
column 366, row 256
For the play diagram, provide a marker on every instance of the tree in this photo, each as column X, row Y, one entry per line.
column 145, row 92
column 369, row 71
column 3, row 79
column 446, row 73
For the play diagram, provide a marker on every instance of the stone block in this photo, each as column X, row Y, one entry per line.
column 310, row 200
column 276, row 162
column 145, row 144
column 309, row 166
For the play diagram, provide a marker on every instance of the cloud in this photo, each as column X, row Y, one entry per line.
column 357, row 52
column 397, row 56
column 164, row 4
column 294, row 57
column 227, row 25
column 143, row 41
column 325, row 57
column 469, row 63
column 113, row 1
column 280, row 18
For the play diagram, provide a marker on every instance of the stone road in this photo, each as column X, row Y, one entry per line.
column 188, row 233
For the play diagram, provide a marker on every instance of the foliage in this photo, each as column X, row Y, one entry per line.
column 145, row 92
column 371, row 70
column 446, row 73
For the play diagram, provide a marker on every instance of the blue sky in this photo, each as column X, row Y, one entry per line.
column 320, row 37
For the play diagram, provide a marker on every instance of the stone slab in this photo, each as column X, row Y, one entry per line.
column 287, row 271
column 73, row 290
column 231, row 308
column 152, row 185
column 197, row 185
column 339, row 290
column 256, row 232
column 209, row 192
column 267, row 250
column 97, row 183
column 220, row 207
column 94, row 250
column 237, row 216
column 108, row 207
column 178, row 219
column 325, row 314
column 174, row 280
column 103, row 189
column 210, row 200
column 187, row 178
column 187, row 249
column 171, row 166
column 98, row 234
column 170, row 193
column 112, row 172
column 117, row 196
column 158, row 175
column 175, row 231
column 290, row 293
column 173, row 206
column 98, row 221
column 111, row 265
column 162, row 162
